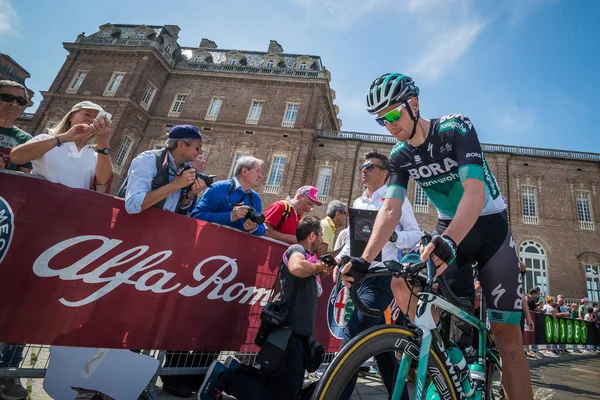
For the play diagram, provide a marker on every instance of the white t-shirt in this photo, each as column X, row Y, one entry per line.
column 67, row 165
column 548, row 309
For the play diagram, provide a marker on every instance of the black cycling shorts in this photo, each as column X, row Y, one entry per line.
column 491, row 245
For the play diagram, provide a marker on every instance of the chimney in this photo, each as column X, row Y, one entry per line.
column 275, row 48
column 207, row 44
column 173, row 30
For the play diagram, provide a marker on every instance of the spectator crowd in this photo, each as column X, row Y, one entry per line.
column 77, row 153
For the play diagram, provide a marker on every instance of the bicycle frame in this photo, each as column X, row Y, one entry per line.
column 427, row 326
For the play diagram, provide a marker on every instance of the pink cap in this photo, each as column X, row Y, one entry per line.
column 310, row 192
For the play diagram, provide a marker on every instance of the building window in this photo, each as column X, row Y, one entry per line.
column 303, row 66
column 324, row 183
column 584, row 210
column 534, row 256
column 10, row 70
column 421, row 204
column 254, row 113
column 291, row 111
column 76, row 81
column 168, row 48
column 122, row 153
column 214, row 109
column 177, row 105
column 528, row 195
column 198, row 59
column 275, row 175
column 148, row 96
column 270, row 64
column 592, row 276
column 51, row 124
column 232, row 61
column 105, row 34
column 113, row 84
column 238, row 155
column 140, row 36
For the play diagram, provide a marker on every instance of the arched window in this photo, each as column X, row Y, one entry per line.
column 232, row 61
column 270, row 64
column 198, row 59
column 534, row 256
column 302, row 66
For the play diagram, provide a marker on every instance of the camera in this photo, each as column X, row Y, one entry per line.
column 272, row 316
column 255, row 216
column 208, row 179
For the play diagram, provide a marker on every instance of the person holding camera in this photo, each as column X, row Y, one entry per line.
column 163, row 178
column 234, row 202
column 64, row 155
column 300, row 288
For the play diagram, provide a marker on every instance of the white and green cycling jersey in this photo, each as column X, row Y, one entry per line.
column 450, row 155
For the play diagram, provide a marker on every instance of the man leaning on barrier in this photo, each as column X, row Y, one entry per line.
column 299, row 274
column 234, row 202
column 163, row 178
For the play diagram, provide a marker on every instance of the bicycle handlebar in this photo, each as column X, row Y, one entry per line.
column 404, row 270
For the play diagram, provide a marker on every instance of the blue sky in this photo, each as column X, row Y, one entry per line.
column 524, row 71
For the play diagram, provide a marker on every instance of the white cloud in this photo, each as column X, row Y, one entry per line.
column 9, row 20
column 520, row 10
column 443, row 51
column 341, row 13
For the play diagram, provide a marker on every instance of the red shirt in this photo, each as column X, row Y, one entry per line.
column 274, row 213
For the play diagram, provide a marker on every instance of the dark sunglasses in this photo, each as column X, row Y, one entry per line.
column 9, row 98
column 369, row 166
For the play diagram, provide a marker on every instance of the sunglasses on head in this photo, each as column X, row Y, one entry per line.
column 392, row 116
column 9, row 98
column 369, row 166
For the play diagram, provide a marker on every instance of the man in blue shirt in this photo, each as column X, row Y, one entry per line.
column 228, row 202
column 157, row 178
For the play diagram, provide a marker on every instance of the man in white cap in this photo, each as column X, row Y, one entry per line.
column 282, row 217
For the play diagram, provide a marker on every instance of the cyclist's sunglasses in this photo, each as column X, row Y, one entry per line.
column 392, row 116
column 369, row 166
column 8, row 98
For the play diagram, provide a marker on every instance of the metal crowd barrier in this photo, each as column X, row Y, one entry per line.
column 36, row 358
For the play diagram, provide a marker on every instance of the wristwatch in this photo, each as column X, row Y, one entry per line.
column 105, row 151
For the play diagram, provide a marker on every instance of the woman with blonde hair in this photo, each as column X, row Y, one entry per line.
column 64, row 154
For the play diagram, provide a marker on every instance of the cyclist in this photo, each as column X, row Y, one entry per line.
column 445, row 158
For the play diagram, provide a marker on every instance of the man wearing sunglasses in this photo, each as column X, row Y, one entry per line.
column 444, row 156
column 157, row 178
column 13, row 100
column 377, row 293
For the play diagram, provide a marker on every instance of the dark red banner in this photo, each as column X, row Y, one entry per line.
column 77, row 270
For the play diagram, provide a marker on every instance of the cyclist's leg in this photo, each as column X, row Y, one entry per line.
column 373, row 293
column 503, row 290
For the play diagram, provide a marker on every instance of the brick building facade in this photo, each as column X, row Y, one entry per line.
column 13, row 71
column 279, row 107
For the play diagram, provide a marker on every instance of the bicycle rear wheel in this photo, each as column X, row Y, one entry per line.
column 370, row 343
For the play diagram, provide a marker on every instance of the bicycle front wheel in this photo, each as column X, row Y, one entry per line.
column 377, row 340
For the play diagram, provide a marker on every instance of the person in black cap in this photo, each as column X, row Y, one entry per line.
column 158, row 178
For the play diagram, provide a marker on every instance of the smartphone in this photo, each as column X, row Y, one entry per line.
column 329, row 260
column 101, row 113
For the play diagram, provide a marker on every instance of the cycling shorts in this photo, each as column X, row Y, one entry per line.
column 490, row 244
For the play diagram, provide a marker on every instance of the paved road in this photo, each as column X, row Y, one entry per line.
column 563, row 378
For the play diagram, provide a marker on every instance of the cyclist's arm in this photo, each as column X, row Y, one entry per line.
column 468, row 211
column 385, row 224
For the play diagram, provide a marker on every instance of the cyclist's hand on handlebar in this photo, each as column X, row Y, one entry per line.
column 356, row 263
column 442, row 250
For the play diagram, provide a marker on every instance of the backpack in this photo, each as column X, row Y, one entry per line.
column 285, row 215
